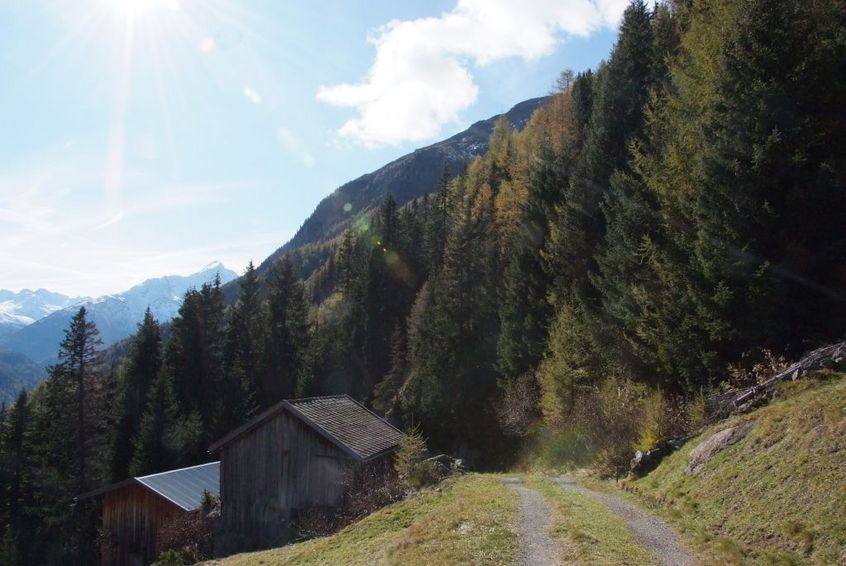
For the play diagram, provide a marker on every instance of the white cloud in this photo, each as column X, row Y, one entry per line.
column 420, row 78
column 252, row 95
column 293, row 144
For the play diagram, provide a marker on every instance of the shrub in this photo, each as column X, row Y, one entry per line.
column 170, row 558
column 518, row 407
column 368, row 488
column 410, row 463
column 755, row 367
column 371, row 487
column 189, row 536
column 616, row 423
column 697, row 412
column 653, row 421
column 316, row 522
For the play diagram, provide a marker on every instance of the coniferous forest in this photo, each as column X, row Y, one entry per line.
column 585, row 284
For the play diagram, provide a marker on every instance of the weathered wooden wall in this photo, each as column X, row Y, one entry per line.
column 269, row 472
column 132, row 515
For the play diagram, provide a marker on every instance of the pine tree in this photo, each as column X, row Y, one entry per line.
column 437, row 219
column 454, row 348
column 570, row 118
column 632, row 223
column 139, row 370
column 195, row 358
column 619, row 95
column 15, row 478
column 772, row 201
column 385, row 392
column 244, row 341
column 390, row 290
column 346, row 262
column 78, row 365
column 524, row 310
column 155, row 445
column 662, row 323
column 71, row 457
column 287, row 340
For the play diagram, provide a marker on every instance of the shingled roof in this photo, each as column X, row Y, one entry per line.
column 350, row 426
column 183, row 487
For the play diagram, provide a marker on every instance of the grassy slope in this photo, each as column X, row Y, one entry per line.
column 471, row 520
column 778, row 496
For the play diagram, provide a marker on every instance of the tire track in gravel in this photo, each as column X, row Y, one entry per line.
column 647, row 529
column 538, row 549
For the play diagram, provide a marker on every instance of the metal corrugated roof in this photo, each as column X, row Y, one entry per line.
column 185, row 486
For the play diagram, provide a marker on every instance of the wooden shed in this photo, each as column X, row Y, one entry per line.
column 135, row 509
column 296, row 455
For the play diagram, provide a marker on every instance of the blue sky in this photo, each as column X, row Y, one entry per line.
column 149, row 137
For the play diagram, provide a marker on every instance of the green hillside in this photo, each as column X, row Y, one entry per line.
column 778, row 495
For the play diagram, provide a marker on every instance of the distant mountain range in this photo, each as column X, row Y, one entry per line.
column 32, row 323
column 25, row 307
column 116, row 316
column 407, row 178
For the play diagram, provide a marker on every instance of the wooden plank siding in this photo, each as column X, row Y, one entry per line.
column 274, row 470
column 132, row 515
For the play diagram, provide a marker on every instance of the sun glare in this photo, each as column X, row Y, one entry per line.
column 142, row 7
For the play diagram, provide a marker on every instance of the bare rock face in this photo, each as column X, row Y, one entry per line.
column 715, row 444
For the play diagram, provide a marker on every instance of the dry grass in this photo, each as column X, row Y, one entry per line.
column 472, row 520
column 776, row 497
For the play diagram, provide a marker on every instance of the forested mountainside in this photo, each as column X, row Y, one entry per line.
column 405, row 179
column 17, row 372
column 673, row 212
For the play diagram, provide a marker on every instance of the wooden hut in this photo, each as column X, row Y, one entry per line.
column 295, row 456
column 135, row 509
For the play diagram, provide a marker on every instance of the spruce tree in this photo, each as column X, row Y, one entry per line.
column 72, row 448
column 140, row 368
column 156, row 445
column 78, row 365
column 195, row 358
column 287, row 339
column 244, row 341
column 524, row 310
column 16, row 467
column 772, row 202
column 437, row 219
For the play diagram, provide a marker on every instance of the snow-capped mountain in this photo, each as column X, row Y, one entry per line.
column 25, row 307
column 116, row 316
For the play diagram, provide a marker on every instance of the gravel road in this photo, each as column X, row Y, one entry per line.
column 538, row 549
column 648, row 530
